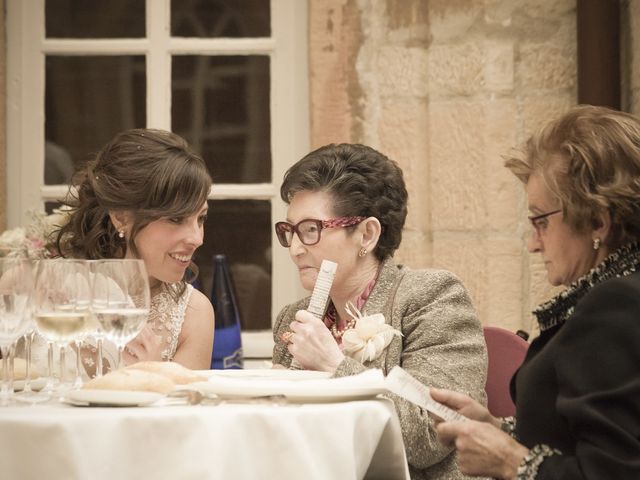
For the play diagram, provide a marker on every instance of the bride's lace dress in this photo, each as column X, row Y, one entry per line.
column 166, row 319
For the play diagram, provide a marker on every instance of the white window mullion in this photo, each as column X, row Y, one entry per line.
column 158, row 64
column 243, row 191
column 289, row 141
column 125, row 46
column 290, row 127
column 25, row 109
column 222, row 46
column 53, row 193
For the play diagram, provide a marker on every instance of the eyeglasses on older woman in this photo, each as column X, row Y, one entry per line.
column 309, row 229
column 540, row 222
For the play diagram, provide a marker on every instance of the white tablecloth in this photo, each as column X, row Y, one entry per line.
column 350, row 440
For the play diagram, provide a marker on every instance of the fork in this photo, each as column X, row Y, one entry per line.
column 196, row 397
column 192, row 397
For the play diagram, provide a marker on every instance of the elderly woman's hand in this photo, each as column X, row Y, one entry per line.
column 464, row 405
column 482, row 449
column 312, row 344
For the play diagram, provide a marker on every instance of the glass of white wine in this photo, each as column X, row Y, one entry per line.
column 16, row 282
column 62, row 304
column 121, row 299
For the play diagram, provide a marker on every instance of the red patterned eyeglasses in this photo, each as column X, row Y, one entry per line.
column 309, row 229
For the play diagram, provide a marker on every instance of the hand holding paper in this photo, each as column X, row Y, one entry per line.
column 398, row 381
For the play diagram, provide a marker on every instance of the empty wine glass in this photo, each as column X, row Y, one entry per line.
column 16, row 283
column 121, row 299
column 62, row 303
column 28, row 394
column 97, row 334
column 28, row 341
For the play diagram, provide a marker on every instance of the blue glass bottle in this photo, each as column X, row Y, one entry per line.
column 227, row 344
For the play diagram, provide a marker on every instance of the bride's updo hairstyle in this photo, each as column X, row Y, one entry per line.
column 150, row 174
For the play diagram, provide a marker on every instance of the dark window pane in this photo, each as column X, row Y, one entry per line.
column 95, row 19
column 87, row 101
column 49, row 207
column 220, row 18
column 241, row 229
column 221, row 106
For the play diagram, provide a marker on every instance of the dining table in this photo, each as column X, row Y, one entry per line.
column 270, row 438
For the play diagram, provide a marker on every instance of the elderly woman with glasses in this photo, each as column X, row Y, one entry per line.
column 578, row 391
column 347, row 204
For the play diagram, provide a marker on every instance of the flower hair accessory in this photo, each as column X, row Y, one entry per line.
column 370, row 336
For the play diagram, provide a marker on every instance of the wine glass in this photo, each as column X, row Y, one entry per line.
column 16, row 283
column 97, row 334
column 62, row 304
column 28, row 394
column 121, row 299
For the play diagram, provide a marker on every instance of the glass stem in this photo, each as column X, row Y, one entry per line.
column 99, row 363
column 120, row 356
column 48, row 388
column 77, row 382
column 50, row 359
column 63, row 363
column 6, row 382
column 12, row 357
column 28, row 339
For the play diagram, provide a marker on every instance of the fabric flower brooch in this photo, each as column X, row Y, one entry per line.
column 370, row 336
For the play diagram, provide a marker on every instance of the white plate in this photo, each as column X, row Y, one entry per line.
column 37, row 384
column 270, row 374
column 323, row 390
column 112, row 398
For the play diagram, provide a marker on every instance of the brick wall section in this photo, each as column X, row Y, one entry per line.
column 446, row 88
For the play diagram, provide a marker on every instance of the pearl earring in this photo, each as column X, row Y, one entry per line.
column 596, row 243
column 121, row 233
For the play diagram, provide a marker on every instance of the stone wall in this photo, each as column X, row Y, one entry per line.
column 3, row 122
column 446, row 88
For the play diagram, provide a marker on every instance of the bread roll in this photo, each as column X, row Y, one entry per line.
column 174, row 371
column 20, row 370
column 130, row 379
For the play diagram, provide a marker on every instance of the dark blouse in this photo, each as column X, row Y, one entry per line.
column 578, row 390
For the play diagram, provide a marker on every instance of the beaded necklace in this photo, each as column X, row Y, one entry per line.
column 337, row 334
column 331, row 317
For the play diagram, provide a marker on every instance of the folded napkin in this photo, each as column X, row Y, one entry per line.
column 367, row 383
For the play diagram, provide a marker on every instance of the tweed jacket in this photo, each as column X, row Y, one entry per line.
column 442, row 345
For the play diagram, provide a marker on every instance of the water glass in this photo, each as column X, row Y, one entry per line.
column 121, row 299
column 16, row 283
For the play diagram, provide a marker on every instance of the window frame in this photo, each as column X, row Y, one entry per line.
column 27, row 48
